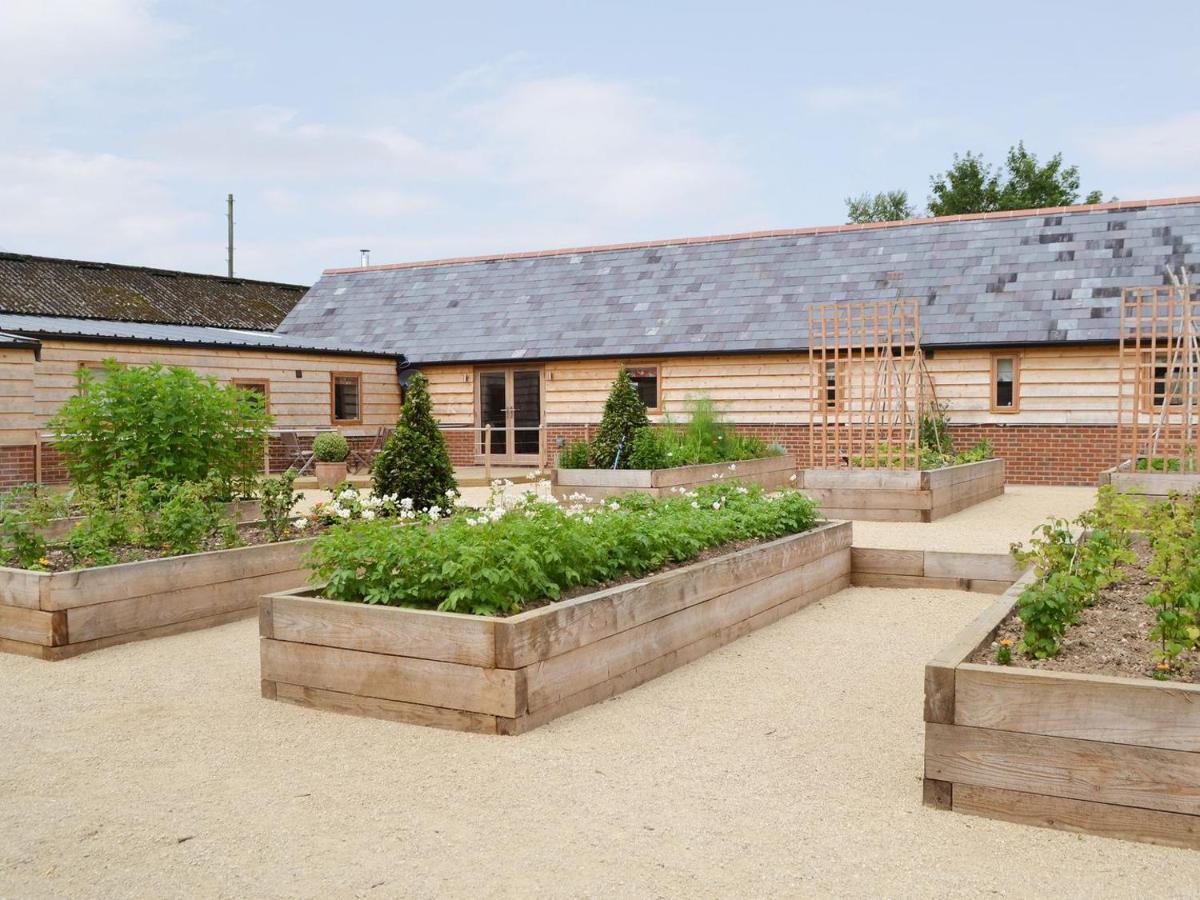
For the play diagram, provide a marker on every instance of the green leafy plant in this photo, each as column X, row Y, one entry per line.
column 575, row 455
column 492, row 562
column 168, row 424
column 23, row 514
column 1175, row 567
column 414, row 463
column 279, row 498
column 624, row 414
column 330, row 447
column 1004, row 652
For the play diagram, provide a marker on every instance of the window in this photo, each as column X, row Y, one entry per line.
column 1167, row 388
column 1006, row 384
column 98, row 372
column 645, row 382
column 257, row 386
column 831, row 385
column 346, row 390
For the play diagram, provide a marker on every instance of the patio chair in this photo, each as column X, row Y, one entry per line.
column 362, row 459
column 297, row 457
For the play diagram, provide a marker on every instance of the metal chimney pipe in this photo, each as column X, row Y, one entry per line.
column 229, row 215
column 364, row 257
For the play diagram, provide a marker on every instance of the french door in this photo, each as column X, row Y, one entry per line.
column 509, row 400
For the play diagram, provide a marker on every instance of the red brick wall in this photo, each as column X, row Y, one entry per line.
column 16, row 466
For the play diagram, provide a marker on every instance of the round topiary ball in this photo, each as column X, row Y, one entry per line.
column 330, row 447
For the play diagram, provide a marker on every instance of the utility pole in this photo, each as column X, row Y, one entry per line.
column 229, row 215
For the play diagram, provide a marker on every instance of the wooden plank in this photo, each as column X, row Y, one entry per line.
column 869, row 498
column 543, row 633
column 499, row 692
column 553, row 679
column 668, row 661
column 24, row 648
column 703, row 474
column 939, row 692
column 379, row 708
column 859, row 514
column 936, row 794
column 33, row 626
column 581, row 479
column 155, row 576
column 1091, row 707
column 966, row 472
column 266, row 616
column 21, row 587
column 887, row 562
column 983, row 586
column 75, row 649
column 1064, row 767
column 861, row 479
column 1080, row 816
column 99, row 620
column 916, row 582
column 427, row 634
column 940, row 511
column 986, row 566
column 984, row 626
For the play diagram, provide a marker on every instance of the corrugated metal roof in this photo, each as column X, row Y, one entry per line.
column 1052, row 276
column 42, row 285
column 193, row 335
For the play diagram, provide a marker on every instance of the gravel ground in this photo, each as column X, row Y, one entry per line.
column 988, row 527
column 787, row 763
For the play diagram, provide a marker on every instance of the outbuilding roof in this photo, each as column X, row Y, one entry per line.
column 1012, row 278
column 42, row 285
column 28, row 329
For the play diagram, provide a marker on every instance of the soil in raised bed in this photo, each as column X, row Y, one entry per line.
column 251, row 534
column 1111, row 636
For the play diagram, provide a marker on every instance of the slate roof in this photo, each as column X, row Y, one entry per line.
column 1027, row 277
column 43, row 285
column 27, row 329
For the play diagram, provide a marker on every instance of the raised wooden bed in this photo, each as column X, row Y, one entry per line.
column 770, row 472
column 507, row 676
column 239, row 511
column 1151, row 485
column 985, row 573
column 54, row 615
column 1116, row 757
column 902, row 495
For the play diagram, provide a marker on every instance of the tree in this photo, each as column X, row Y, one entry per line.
column 414, row 462
column 624, row 414
column 886, row 206
column 972, row 186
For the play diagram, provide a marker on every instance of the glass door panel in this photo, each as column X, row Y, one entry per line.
column 493, row 410
column 527, row 412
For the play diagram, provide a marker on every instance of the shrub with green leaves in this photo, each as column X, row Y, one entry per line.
column 575, row 455
column 624, row 414
column 330, row 447
column 24, row 512
column 494, row 561
column 279, row 498
column 168, row 424
column 414, row 463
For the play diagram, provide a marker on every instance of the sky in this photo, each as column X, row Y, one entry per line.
column 423, row 130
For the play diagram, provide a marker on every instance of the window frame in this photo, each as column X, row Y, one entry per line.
column 1152, row 360
column 333, row 378
column 93, row 366
column 1015, row 407
column 243, row 384
column 658, row 387
column 838, row 385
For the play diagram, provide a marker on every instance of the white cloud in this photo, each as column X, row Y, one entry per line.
column 604, row 145
column 44, row 39
column 1152, row 146
column 839, row 98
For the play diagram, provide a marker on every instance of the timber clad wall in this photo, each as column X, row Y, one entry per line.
column 1063, row 433
column 32, row 391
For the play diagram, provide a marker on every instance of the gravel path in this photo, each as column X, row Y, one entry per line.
column 787, row 763
column 988, row 527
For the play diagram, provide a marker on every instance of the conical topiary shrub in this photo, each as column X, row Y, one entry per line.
column 414, row 462
column 624, row 414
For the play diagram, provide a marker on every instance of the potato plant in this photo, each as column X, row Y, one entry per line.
column 492, row 562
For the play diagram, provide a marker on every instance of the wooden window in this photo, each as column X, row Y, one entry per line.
column 831, row 385
column 346, row 398
column 257, row 386
column 1006, row 383
column 645, row 382
column 97, row 369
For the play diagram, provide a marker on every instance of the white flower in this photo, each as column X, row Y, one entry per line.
column 716, row 504
column 670, row 453
column 742, row 490
column 406, row 503
column 348, row 494
column 300, row 524
column 472, row 522
column 614, row 505
column 368, row 514
column 716, row 475
column 695, row 505
column 792, row 478
column 344, row 513
column 450, row 493
column 435, row 511
column 587, row 520
column 733, row 467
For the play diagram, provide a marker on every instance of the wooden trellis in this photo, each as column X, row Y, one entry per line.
column 870, row 386
column 1159, row 382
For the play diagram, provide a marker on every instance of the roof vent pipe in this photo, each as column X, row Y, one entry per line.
column 365, row 257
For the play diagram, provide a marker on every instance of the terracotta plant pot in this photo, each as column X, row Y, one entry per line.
column 330, row 474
